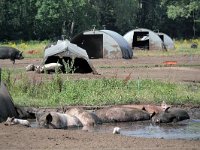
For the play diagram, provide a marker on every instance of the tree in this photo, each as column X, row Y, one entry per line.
column 48, row 18
column 188, row 9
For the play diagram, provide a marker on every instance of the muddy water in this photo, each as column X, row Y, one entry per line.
column 188, row 129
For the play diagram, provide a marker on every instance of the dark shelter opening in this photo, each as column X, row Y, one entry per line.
column 92, row 43
column 78, row 65
column 141, row 40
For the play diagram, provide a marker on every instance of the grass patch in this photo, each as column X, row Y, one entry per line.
column 57, row 91
column 31, row 49
column 182, row 47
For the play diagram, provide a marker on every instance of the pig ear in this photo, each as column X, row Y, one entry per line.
column 49, row 118
column 167, row 109
column 153, row 114
column 143, row 108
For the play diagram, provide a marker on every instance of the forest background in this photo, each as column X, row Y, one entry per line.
column 50, row 19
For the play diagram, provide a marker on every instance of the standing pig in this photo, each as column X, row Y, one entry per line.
column 170, row 115
column 10, row 53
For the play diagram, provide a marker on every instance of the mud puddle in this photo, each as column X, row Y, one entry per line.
column 188, row 129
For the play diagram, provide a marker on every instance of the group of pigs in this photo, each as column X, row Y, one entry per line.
column 79, row 117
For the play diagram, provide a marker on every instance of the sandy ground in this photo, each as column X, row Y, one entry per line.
column 18, row 137
column 187, row 69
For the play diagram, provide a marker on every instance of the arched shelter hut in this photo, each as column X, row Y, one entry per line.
column 168, row 42
column 69, row 55
column 103, row 44
column 144, row 39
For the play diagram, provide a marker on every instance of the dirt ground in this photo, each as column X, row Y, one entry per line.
column 18, row 137
column 187, row 69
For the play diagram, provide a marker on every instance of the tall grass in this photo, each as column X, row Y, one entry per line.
column 182, row 47
column 31, row 49
column 57, row 91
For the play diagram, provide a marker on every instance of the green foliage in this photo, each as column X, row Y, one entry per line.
column 49, row 19
column 31, row 49
column 181, row 8
column 69, row 66
column 57, row 91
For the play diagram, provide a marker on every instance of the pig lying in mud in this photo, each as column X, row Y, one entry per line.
column 170, row 115
column 56, row 120
column 122, row 114
column 13, row 121
column 149, row 108
column 10, row 53
column 86, row 118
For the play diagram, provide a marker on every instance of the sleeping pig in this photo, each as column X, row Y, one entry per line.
column 56, row 120
column 170, row 115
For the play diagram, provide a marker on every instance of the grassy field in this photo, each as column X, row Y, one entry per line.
column 182, row 47
column 60, row 92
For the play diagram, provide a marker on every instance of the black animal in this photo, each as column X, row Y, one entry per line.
column 10, row 53
column 194, row 45
column 170, row 115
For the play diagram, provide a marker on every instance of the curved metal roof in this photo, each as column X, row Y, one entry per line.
column 127, row 52
column 154, row 40
column 168, row 42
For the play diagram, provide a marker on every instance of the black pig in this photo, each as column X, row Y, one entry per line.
column 10, row 53
column 168, row 116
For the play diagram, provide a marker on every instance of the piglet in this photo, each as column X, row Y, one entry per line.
column 13, row 121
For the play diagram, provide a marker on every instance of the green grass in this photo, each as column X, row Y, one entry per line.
column 182, row 47
column 26, row 47
column 28, row 92
column 57, row 92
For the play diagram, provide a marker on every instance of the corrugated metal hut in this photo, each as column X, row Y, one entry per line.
column 144, row 39
column 103, row 44
column 70, row 53
column 168, row 42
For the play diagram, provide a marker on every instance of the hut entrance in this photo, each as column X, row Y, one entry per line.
column 92, row 43
column 141, row 40
column 161, row 37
